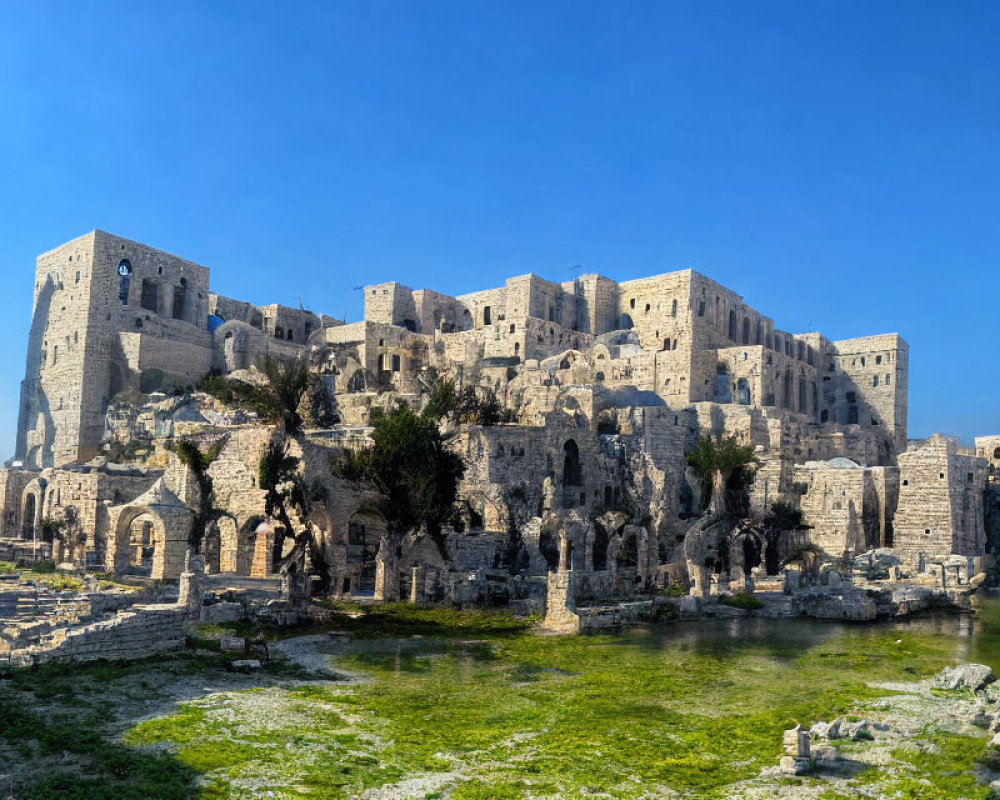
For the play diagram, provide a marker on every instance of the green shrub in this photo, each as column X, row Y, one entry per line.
column 44, row 567
column 665, row 612
column 7, row 567
column 673, row 590
column 240, row 394
column 741, row 600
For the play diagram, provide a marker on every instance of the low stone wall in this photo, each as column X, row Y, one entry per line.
column 609, row 616
column 137, row 633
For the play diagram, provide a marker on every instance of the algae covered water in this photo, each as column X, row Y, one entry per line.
column 438, row 703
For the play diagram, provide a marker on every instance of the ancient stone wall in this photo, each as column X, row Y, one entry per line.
column 941, row 502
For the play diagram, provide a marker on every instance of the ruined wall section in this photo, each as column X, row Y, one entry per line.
column 941, row 502
column 847, row 507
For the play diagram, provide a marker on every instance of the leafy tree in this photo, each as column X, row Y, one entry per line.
column 409, row 464
column 478, row 405
column 286, row 497
column 51, row 529
column 288, row 381
column 321, row 403
column 778, row 523
column 207, row 515
column 784, row 516
column 725, row 469
column 443, row 400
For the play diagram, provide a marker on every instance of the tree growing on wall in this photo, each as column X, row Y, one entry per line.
column 782, row 520
column 725, row 469
column 288, row 380
column 289, row 501
column 321, row 403
column 207, row 514
column 410, row 465
column 51, row 529
column 473, row 405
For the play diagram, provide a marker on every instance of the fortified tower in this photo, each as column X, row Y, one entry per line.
column 107, row 312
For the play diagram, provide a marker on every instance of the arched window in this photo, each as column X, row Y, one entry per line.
column 572, row 469
column 759, row 338
column 746, row 330
column 732, row 325
column 786, row 394
column 673, row 309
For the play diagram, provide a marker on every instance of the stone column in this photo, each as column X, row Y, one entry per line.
column 190, row 590
column 416, row 590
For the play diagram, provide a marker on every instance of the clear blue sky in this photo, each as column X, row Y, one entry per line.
column 834, row 162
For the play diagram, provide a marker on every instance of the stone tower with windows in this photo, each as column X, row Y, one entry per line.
column 109, row 314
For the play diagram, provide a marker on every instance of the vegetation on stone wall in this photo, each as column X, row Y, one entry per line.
column 474, row 405
column 288, row 381
column 725, row 469
column 321, row 404
column 409, row 464
column 287, row 496
column 512, row 554
column 207, row 514
column 243, row 395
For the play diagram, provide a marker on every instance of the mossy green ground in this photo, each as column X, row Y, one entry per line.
column 476, row 705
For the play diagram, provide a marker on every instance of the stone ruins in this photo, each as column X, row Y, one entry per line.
column 609, row 386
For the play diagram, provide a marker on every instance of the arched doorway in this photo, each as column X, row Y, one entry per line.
column 28, row 516
column 601, row 541
column 138, row 542
column 365, row 531
column 572, row 476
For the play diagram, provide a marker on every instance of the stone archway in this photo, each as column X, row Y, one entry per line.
column 138, row 542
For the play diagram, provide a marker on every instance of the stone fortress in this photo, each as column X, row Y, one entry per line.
column 610, row 384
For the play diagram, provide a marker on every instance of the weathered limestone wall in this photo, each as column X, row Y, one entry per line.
column 941, row 502
column 847, row 507
column 137, row 633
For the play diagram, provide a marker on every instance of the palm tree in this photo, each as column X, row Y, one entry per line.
column 716, row 463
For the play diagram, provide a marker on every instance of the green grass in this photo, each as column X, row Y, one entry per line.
column 622, row 713
column 693, row 707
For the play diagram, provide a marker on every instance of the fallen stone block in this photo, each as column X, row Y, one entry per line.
column 965, row 676
column 246, row 664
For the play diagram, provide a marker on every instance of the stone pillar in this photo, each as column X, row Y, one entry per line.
column 698, row 577
column 797, row 758
column 416, row 590
column 386, row 577
column 560, row 604
column 190, row 591
column 564, row 564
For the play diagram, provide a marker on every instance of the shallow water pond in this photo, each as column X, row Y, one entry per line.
column 467, row 705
